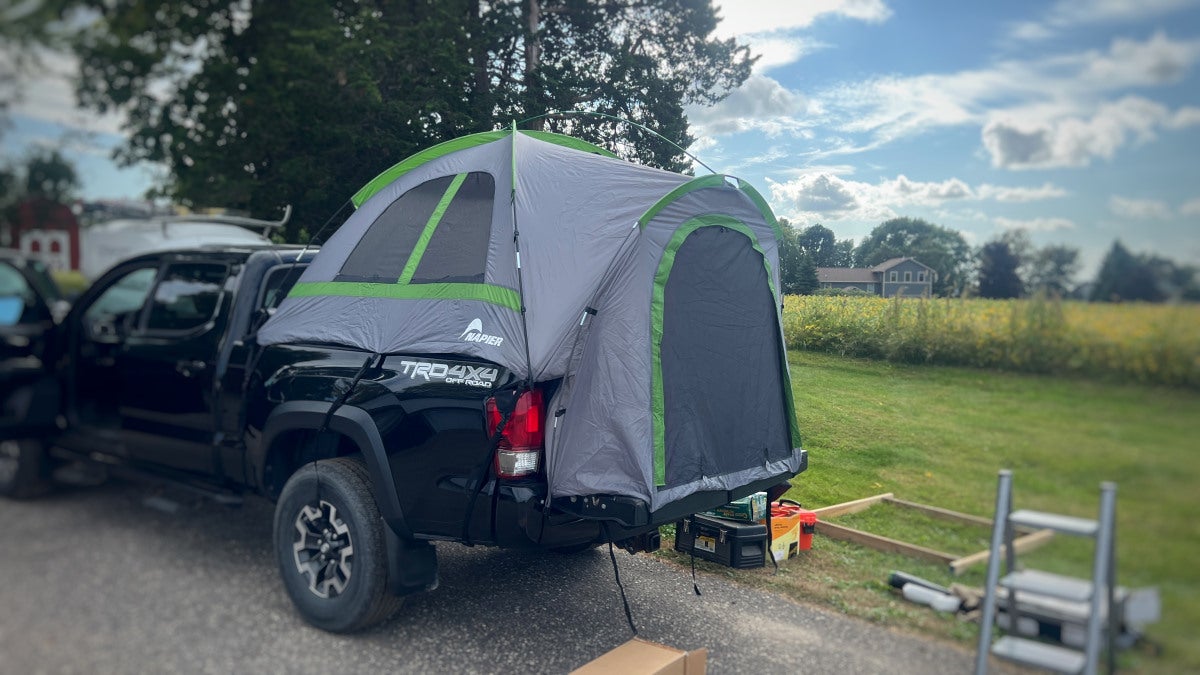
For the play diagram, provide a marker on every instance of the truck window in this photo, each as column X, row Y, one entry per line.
column 187, row 296
column 127, row 294
column 278, row 282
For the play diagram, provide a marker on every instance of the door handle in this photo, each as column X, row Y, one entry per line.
column 188, row 368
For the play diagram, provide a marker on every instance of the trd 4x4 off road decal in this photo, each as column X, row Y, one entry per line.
column 474, row 333
column 471, row 376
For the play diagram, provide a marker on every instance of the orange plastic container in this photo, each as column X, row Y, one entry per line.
column 808, row 525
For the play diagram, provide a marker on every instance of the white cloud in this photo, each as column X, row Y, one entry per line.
column 770, row 27
column 901, row 190
column 818, row 193
column 1051, row 111
column 47, row 94
column 1187, row 116
column 1139, row 209
column 1071, row 141
column 1066, row 14
column 1159, row 60
column 743, row 17
column 1002, row 193
column 780, row 49
column 1190, row 208
column 1036, row 224
column 811, row 196
column 760, row 103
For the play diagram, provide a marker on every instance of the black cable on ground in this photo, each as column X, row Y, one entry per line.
column 617, row 574
column 692, row 552
column 771, row 539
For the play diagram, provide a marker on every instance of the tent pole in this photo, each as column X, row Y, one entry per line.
column 520, row 274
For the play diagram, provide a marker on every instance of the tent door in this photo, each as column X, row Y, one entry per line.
column 719, row 401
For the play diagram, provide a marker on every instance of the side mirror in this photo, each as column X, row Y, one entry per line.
column 11, row 309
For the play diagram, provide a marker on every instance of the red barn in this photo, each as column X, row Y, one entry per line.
column 47, row 230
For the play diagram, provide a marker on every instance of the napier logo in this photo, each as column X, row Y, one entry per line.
column 474, row 333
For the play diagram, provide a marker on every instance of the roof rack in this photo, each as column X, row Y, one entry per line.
column 266, row 226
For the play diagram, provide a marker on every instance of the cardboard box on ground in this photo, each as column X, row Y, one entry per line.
column 642, row 657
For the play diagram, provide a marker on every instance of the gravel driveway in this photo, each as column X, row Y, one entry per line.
column 115, row 579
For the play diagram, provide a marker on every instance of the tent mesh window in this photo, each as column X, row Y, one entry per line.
column 385, row 247
column 458, row 248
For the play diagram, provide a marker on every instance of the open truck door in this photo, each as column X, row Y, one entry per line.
column 29, row 394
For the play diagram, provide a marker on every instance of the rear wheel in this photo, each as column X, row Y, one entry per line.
column 24, row 469
column 329, row 542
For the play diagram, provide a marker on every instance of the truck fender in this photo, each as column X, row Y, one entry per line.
column 357, row 425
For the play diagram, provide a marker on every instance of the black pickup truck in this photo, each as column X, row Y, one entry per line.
column 369, row 459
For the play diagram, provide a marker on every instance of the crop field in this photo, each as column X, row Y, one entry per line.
column 1131, row 342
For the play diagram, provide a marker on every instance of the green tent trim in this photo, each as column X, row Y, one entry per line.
column 764, row 208
column 462, row 143
column 496, row 295
column 414, row 258
column 715, row 180
column 657, row 403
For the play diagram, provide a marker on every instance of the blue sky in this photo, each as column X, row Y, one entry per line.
column 1077, row 121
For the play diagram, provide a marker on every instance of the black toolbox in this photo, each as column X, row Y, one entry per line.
column 729, row 542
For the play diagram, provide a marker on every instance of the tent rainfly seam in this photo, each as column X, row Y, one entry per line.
column 454, row 145
column 715, row 180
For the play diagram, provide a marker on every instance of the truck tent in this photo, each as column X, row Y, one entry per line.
column 652, row 297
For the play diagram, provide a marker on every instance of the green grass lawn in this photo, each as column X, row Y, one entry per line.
column 938, row 436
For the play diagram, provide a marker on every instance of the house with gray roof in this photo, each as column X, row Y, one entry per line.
column 898, row 276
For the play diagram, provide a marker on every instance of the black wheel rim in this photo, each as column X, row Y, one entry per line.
column 323, row 549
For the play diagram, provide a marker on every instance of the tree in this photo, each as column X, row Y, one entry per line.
column 50, row 176
column 1052, row 270
column 639, row 60
column 1123, row 276
column 943, row 249
column 258, row 105
column 797, row 271
column 843, row 253
column 283, row 103
column 998, row 276
column 1021, row 247
column 824, row 249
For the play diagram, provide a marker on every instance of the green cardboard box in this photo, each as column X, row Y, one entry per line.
column 750, row 509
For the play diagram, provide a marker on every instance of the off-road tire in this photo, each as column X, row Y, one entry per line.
column 25, row 469
column 355, row 594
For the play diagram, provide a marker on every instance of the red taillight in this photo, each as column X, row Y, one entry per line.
column 523, row 437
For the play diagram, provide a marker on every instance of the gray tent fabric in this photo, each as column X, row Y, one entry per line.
column 651, row 295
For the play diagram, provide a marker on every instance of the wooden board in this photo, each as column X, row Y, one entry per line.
column 1028, row 541
column 851, row 507
column 882, row 543
column 944, row 514
column 1022, row 544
